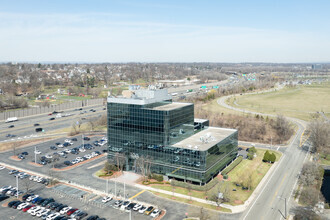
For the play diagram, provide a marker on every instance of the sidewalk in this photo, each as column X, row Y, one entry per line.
column 234, row 209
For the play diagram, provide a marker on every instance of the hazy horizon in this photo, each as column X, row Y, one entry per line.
column 164, row 31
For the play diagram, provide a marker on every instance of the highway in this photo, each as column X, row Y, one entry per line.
column 269, row 203
column 24, row 127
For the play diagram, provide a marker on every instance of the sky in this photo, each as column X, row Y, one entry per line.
column 165, row 31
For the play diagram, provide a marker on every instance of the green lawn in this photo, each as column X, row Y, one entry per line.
column 325, row 160
column 298, row 102
column 193, row 202
column 256, row 168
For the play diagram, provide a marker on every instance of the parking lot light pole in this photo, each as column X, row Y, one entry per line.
column 106, row 187
column 130, row 214
column 17, row 186
column 35, row 154
column 116, row 189
column 124, row 189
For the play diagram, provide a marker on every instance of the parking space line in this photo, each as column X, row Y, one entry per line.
column 139, row 193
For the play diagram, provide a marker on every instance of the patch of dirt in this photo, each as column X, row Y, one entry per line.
column 238, row 202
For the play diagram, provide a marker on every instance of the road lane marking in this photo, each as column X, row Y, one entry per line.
column 278, row 188
column 264, row 187
column 137, row 194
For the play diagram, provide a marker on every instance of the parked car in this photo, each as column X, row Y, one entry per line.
column 10, row 204
column 137, row 207
column 86, row 138
column 65, row 210
column 74, row 139
column 143, row 209
column 155, row 213
column 53, row 147
column 27, row 208
column 52, row 119
column 93, row 217
column 68, row 163
column 149, row 210
column 36, row 124
column 3, row 197
column 106, row 199
column 71, row 211
column 130, row 206
column 39, row 129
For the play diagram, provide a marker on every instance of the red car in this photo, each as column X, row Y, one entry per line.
column 71, row 211
column 27, row 208
column 50, row 113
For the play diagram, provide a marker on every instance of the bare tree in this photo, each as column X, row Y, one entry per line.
column 27, row 184
column 309, row 196
column 120, row 161
column 14, row 147
column 303, row 213
column 309, row 174
column 320, row 135
column 144, row 165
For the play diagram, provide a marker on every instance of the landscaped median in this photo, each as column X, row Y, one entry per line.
column 243, row 178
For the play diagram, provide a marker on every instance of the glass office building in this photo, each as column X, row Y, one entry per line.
column 146, row 123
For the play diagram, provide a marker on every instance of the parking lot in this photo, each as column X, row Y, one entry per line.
column 53, row 154
column 71, row 196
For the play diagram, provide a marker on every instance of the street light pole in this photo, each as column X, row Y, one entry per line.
column 124, row 189
column 285, row 209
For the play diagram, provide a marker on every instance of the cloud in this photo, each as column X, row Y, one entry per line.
column 99, row 37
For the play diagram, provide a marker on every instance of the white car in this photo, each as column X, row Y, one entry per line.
column 37, row 152
column 102, row 143
column 32, row 177
column 30, row 198
column 75, row 213
column 106, row 199
column 79, row 159
column 67, row 140
column 67, row 150
column 2, row 167
column 65, row 210
column 82, row 149
column 142, row 209
column 33, row 208
column 137, row 207
column 155, row 213
column 5, row 187
column 88, row 156
column 52, row 216
column 60, row 146
column 48, row 156
column 23, row 205
column 42, row 212
column 36, row 211
column 36, row 178
column 40, row 179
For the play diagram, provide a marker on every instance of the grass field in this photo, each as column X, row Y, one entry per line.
column 255, row 168
column 212, row 207
column 298, row 102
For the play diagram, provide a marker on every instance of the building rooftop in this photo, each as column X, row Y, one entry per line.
column 171, row 106
column 205, row 139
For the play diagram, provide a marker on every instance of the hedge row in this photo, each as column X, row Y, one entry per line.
column 148, row 183
column 232, row 165
column 206, row 187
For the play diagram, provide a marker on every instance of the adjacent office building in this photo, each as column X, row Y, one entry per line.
column 147, row 124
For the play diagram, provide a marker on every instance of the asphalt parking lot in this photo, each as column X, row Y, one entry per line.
column 44, row 149
column 91, row 203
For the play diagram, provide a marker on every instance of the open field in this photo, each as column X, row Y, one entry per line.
column 298, row 102
column 254, row 168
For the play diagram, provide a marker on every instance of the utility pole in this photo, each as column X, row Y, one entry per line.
column 115, row 188
column 82, row 135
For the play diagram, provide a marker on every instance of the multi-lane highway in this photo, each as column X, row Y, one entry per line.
column 24, row 127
